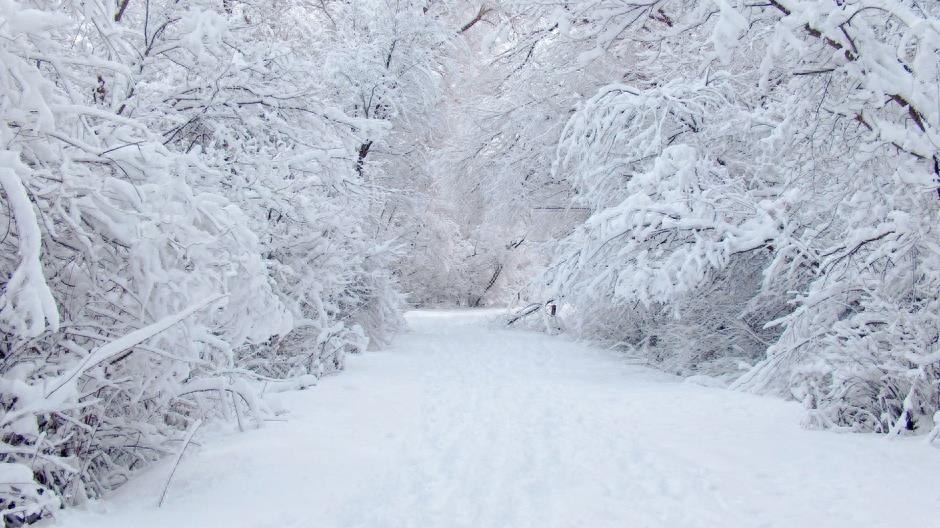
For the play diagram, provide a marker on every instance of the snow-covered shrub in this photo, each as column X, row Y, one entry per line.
column 129, row 288
column 269, row 134
column 860, row 348
column 763, row 185
column 679, row 236
column 183, row 215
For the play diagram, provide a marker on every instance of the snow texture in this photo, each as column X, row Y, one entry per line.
column 460, row 424
column 205, row 204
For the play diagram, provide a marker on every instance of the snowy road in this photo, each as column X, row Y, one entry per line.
column 463, row 425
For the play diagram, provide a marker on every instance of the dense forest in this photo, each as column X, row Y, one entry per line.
column 207, row 201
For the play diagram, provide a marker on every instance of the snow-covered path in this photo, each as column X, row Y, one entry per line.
column 463, row 425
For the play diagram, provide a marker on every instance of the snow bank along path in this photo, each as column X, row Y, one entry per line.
column 464, row 425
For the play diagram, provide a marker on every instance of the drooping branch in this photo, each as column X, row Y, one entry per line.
column 851, row 54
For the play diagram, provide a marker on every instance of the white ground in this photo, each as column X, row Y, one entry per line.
column 463, row 425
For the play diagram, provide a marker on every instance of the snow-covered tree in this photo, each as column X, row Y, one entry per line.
column 791, row 145
column 184, row 216
column 202, row 199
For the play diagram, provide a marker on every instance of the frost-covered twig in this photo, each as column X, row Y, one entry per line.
column 179, row 456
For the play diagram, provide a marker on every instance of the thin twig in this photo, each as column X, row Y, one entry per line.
column 179, row 456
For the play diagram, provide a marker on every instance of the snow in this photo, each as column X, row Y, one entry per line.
column 123, row 344
column 460, row 423
column 26, row 303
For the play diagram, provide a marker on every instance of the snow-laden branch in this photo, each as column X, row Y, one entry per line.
column 118, row 346
column 27, row 303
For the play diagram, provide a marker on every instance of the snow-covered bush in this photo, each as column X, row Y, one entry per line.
column 680, row 230
column 763, row 185
column 198, row 195
column 183, row 215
